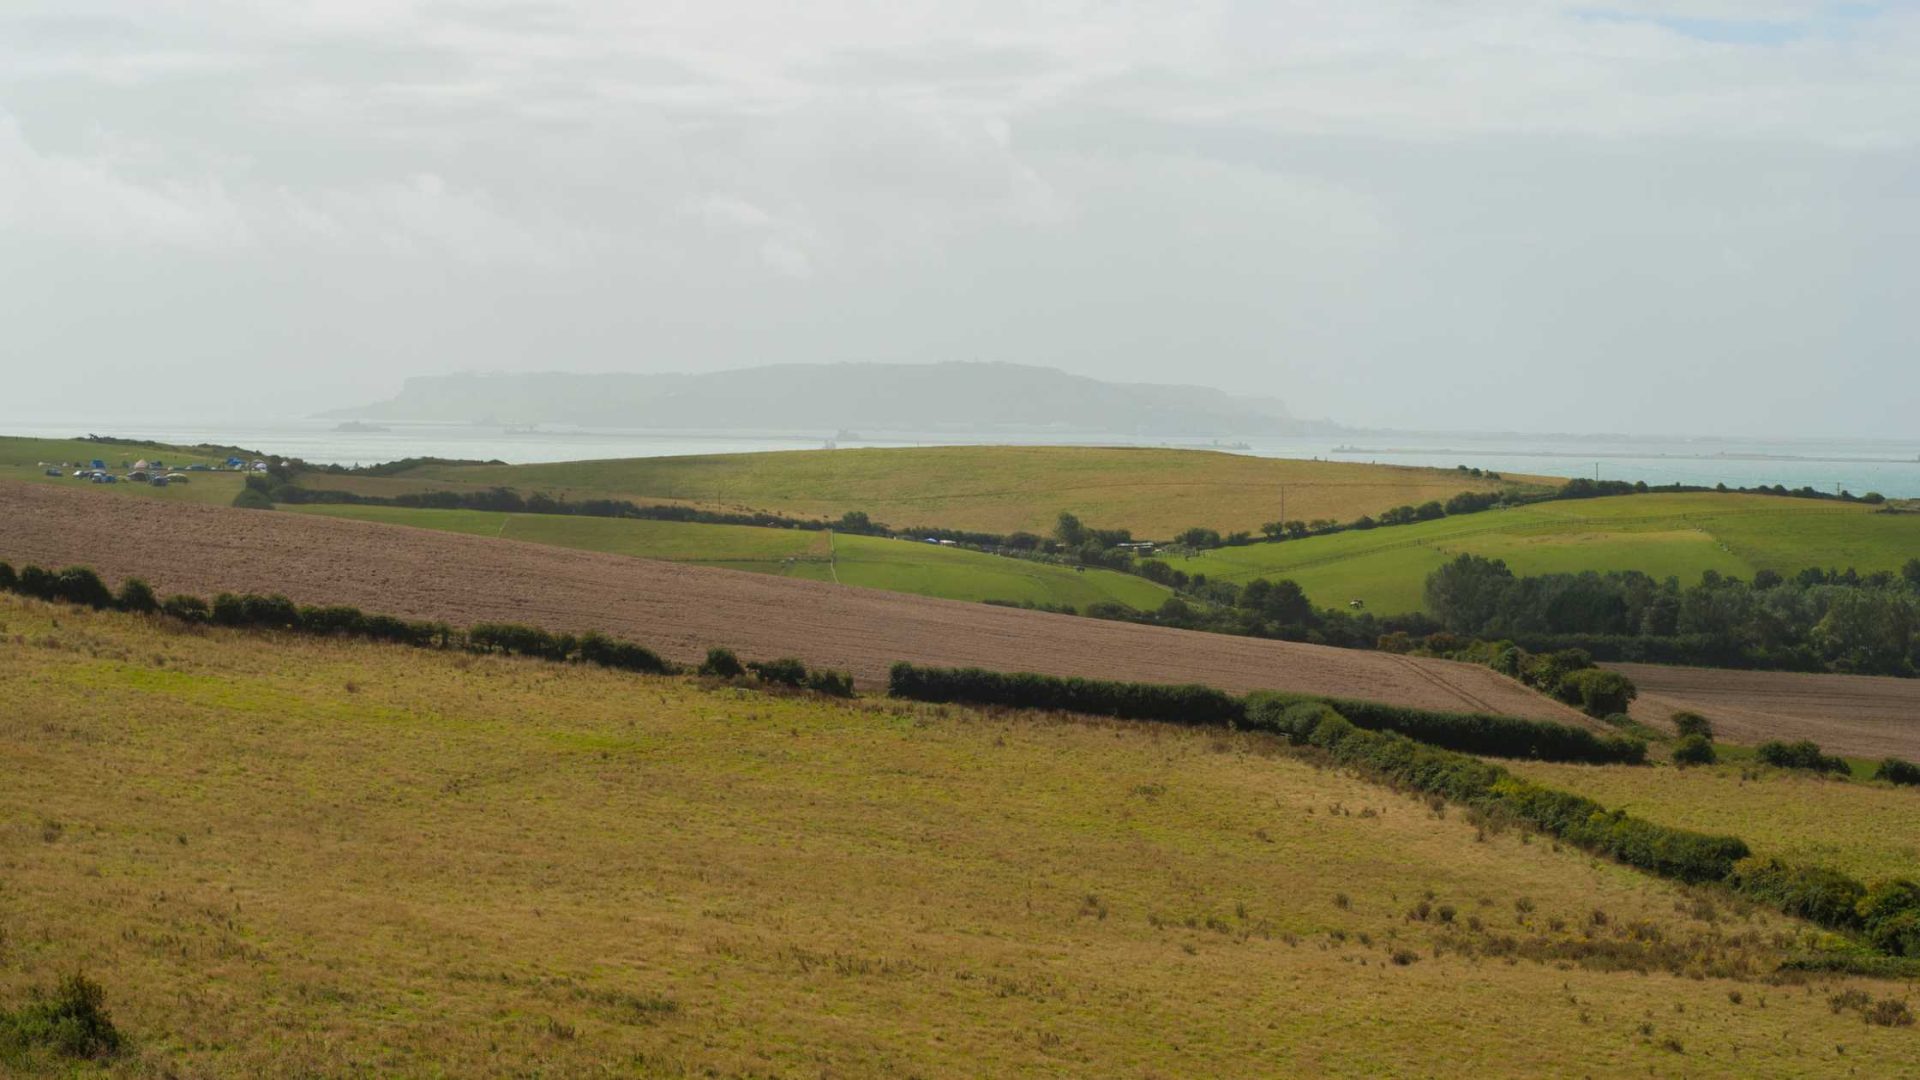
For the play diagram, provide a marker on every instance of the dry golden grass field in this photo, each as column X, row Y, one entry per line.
column 289, row 857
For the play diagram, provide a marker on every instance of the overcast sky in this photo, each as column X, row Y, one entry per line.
column 1513, row 214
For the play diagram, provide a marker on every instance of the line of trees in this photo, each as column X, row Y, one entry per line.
column 1816, row 620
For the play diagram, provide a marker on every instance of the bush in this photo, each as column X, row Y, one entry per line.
column 1804, row 754
column 269, row 612
column 1693, row 750
column 1692, row 723
column 71, row 1021
column 1890, row 915
column 518, row 640
column 832, row 683
column 607, row 652
column 722, row 664
column 252, row 498
column 1815, row 893
column 332, row 620
column 35, row 581
column 785, row 671
column 79, row 585
column 1197, row 705
column 1895, row 771
column 9, row 580
column 186, row 608
column 137, row 596
column 1597, row 692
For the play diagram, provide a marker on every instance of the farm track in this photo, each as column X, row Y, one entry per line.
column 681, row 609
column 1860, row 715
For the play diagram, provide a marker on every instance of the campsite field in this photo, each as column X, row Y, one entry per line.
column 1681, row 535
column 28, row 459
column 290, row 857
column 999, row 489
column 873, row 562
column 682, row 610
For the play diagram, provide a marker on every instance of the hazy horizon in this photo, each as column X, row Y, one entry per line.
column 1645, row 219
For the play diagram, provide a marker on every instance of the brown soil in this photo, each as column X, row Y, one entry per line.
column 1860, row 715
column 682, row 610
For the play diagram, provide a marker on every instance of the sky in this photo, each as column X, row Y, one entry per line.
column 1656, row 218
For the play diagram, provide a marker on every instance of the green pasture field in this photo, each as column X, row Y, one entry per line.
column 873, row 562
column 998, row 489
column 282, row 856
column 1681, row 535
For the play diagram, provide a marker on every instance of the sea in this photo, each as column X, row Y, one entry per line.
column 1888, row 466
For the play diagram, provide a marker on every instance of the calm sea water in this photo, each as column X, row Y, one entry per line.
column 1891, row 467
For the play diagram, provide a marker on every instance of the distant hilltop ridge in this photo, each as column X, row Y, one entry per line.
column 958, row 397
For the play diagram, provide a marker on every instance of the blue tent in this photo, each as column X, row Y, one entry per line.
column 98, row 464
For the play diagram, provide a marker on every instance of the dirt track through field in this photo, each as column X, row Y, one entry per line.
column 1860, row 715
column 681, row 610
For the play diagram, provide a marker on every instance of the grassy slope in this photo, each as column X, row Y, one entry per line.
column 1662, row 535
column 896, row 565
column 285, row 857
column 1155, row 493
column 1869, row 830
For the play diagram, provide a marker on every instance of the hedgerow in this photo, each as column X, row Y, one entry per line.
column 1489, row 734
column 1887, row 913
column 1191, row 704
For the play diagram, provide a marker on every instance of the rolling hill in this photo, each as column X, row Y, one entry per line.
column 1662, row 535
column 286, row 856
column 999, row 489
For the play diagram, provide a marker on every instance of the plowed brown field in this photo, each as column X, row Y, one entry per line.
column 682, row 610
column 1861, row 715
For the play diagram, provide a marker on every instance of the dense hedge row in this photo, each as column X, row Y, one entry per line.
column 1478, row 733
column 79, row 585
column 1886, row 914
column 1897, row 771
column 1474, row 733
column 1196, row 705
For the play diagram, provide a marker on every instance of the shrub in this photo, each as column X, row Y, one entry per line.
column 335, row 619
column 79, row 585
column 1815, row 893
column 35, row 581
column 1804, row 754
column 832, row 683
column 785, row 671
column 519, row 640
column 1693, row 750
column 186, row 608
column 8, row 579
column 1692, row 723
column 71, row 1021
column 1597, row 692
column 1896, row 771
column 722, row 664
column 607, row 652
column 137, row 596
column 269, row 612
column 252, row 498
column 228, row 610
column 1890, row 915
